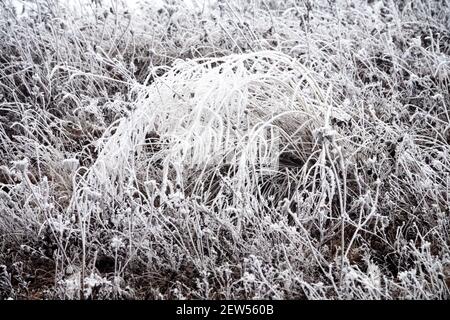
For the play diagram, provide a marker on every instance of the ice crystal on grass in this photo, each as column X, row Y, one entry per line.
column 224, row 149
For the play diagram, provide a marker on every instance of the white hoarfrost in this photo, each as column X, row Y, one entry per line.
column 232, row 110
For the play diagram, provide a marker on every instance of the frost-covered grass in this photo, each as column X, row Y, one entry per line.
column 225, row 149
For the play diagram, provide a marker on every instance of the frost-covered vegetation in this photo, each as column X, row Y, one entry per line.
column 134, row 149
